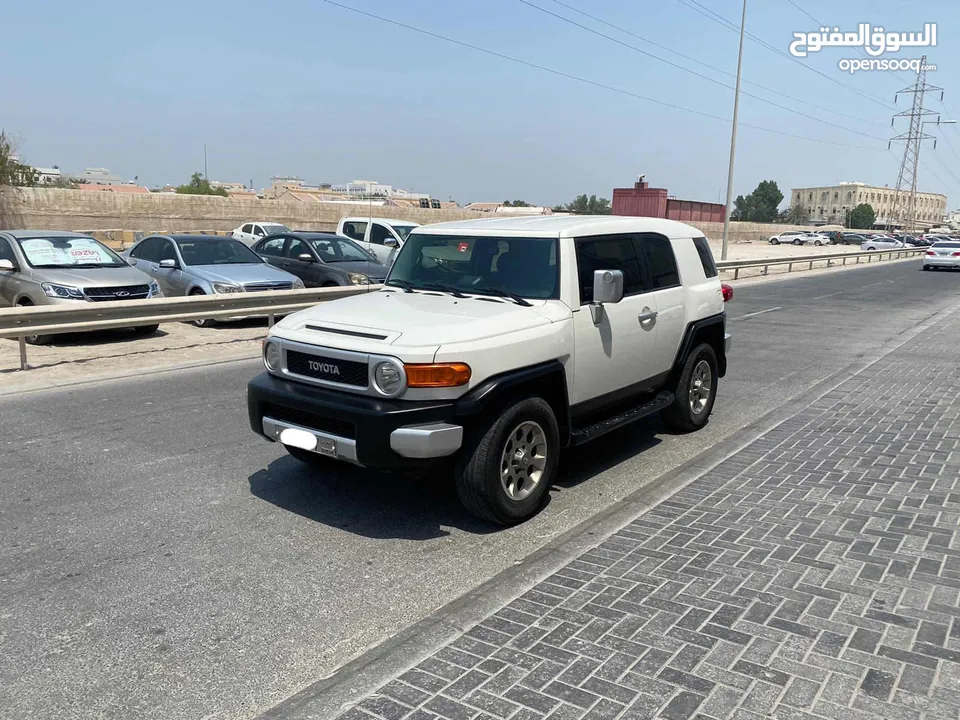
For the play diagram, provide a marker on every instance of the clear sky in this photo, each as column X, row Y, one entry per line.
column 301, row 87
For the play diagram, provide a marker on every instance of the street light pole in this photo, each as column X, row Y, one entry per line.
column 733, row 136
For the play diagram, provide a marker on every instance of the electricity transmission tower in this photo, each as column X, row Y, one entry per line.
column 904, row 213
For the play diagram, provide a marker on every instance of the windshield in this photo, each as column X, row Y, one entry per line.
column 50, row 252
column 216, row 251
column 332, row 250
column 404, row 231
column 271, row 229
column 479, row 265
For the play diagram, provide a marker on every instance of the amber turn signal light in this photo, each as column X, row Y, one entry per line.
column 437, row 375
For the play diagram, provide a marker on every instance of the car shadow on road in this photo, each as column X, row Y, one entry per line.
column 98, row 337
column 392, row 506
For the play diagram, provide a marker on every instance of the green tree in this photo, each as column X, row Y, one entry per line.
column 592, row 205
column 199, row 185
column 516, row 203
column 13, row 173
column 795, row 215
column 862, row 217
column 760, row 205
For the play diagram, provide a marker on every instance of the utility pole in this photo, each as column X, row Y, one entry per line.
column 205, row 176
column 904, row 211
column 733, row 136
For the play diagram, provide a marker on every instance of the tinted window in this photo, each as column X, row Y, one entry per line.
column 258, row 231
column 149, row 249
column 614, row 252
column 339, row 250
column 661, row 265
column 706, row 257
column 248, row 228
column 296, row 248
column 355, row 230
column 216, row 251
column 6, row 252
column 379, row 233
column 273, row 248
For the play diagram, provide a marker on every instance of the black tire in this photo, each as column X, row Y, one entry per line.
column 797, row 242
column 34, row 339
column 818, row 243
column 478, row 475
column 926, row 268
column 681, row 416
column 774, row 241
column 318, row 462
column 871, row 249
column 206, row 323
column 146, row 329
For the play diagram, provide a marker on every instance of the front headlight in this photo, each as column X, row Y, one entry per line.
column 155, row 290
column 62, row 291
column 359, row 279
column 272, row 355
column 388, row 377
column 223, row 288
column 298, row 284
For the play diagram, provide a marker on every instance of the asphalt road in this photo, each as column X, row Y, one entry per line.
column 157, row 560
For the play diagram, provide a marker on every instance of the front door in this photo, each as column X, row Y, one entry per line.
column 617, row 356
column 379, row 234
column 309, row 272
column 172, row 281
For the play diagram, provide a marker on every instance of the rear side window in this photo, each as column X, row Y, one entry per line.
column 248, row 228
column 706, row 257
column 661, row 265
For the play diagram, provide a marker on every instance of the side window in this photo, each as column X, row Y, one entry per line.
column 272, row 248
column 248, row 228
column 659, row 263
column 379, row 233
column 706, row 257
column 296, row 248
column 611, row 252
column 6, row 252
column 355, row 230
column 166, row 250
column 150, row 249
column 258, row 231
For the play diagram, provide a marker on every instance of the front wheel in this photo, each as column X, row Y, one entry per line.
column 35, row 339
column 871, row 249
column 798, row 241
column 207, row 322
column 695, row 393
column 818, row 243
column 146, row 329
column 505, row 474
column 774, row 241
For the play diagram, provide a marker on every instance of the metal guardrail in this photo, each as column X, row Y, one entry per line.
column 87, row 316
column 737, row 265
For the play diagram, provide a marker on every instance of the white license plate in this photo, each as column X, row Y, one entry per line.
column 308, row 441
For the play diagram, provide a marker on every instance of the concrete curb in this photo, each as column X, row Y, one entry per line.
column 329, row 696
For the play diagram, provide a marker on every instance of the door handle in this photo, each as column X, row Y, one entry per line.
column 647, row 316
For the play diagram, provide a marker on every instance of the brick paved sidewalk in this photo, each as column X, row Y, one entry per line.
column 814, row 574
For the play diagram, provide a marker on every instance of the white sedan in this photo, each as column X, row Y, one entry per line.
column 252, row 232
column 882, row 242
column 943, row 254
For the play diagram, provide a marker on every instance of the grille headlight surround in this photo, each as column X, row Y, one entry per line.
column 272, row 355
column 389, row 378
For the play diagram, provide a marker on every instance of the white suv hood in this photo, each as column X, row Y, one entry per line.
column 416, row 320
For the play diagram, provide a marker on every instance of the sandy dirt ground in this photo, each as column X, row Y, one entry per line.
column 82, row 357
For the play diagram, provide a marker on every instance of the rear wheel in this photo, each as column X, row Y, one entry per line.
column 34, row 339
column 695, row 393
column 774, row 241
column 505, row 474
column 208, row 322
column 818, row 243
column 146, row 329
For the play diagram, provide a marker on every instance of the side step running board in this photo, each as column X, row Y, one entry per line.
column 591, row 432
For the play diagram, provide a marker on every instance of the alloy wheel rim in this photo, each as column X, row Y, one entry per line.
column 523, row 460
column 701, row 385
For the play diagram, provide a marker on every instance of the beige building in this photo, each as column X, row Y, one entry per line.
column 830, row 204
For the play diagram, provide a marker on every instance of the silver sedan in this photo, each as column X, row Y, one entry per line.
column 944, row 254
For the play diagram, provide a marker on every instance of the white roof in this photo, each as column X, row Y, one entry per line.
column 367, row 218
column 564, row 226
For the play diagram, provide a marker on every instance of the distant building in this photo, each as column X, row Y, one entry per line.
column 831, row 203
column 229, row 186
column 371, row 188
column 97, row 176
column 644, row 201
column 47, row 176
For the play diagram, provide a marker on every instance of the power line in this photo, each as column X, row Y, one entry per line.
column 585, row 81
column 707, row 12
column 699, row 62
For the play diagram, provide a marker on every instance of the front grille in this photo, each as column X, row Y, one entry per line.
column 319, row 367
column 124, row 292
column 331, row 426
column 263, row 286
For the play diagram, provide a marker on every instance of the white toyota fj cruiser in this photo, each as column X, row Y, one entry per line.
column 495, row 344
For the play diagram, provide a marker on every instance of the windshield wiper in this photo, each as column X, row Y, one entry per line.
column 442, row 287
column 407, row 287
column 502, row 293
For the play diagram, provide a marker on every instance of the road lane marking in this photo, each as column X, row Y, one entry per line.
column 821, row 297
column 754, row 314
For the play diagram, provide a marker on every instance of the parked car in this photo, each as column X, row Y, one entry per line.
column 381, row 236
column 322, row 259
column 816, row 238
column 207, row 265
column 849, row 238
column 943, row 254
column 47, row 267
column 912, row 241
column 251, row 232
column 881, row 242
column 465, row 364
column 790, row 236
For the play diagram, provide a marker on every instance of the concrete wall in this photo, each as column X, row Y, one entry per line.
column 57, row 209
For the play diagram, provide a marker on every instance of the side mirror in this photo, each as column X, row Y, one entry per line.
column 7, row 265
column 390, row 242
column 607, row 288
column 131, row 261
column 168, row 264
column 305, row 257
